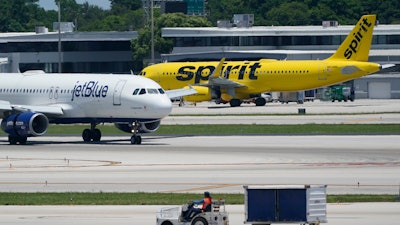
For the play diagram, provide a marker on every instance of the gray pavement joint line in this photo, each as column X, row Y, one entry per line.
column 216, row 185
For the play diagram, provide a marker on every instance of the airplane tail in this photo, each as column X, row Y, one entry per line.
column 357, row 44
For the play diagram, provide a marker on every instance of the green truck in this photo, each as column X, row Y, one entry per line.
column 341, row 93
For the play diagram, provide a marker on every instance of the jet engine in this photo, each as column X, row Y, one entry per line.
column 25, row 124
column 203, row 94
column 144, row 127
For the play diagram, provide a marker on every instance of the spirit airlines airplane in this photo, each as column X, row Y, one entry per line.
column 234, row 81
column 30, row 101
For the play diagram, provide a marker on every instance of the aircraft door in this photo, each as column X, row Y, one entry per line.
column 322, row 71
column 53, row 94
column 117, row 92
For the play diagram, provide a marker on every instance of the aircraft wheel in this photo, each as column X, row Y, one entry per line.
column 22, row 140
column 235, row 102
column 96, row 135
column 86, row 135
column 136, row 139
column 166, row 223
column 260, row 101
column 199, row 221
column 12, row 140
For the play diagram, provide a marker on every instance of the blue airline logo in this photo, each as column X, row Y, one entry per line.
column 89, row 89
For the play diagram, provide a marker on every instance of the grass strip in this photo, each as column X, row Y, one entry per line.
column 142, row 198
column 243, row 129
column 307, row 129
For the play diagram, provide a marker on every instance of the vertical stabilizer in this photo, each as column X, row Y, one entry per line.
column 357, row 44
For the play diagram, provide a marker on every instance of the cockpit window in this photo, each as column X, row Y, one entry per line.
column 152, row 91
column 142, row 91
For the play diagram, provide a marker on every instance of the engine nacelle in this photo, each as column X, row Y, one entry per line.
column 203, row 94
column 26, row 124
column 145, row 127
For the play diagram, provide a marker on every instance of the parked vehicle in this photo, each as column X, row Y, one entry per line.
column 215, row 214
column 303, row 204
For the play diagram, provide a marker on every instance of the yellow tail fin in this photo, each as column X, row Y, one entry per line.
column 357, row 44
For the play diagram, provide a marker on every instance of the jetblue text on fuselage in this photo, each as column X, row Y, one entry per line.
column 358, row 36
column 187, row 73
column 89, row 89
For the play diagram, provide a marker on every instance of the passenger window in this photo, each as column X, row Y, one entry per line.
column 135, row 91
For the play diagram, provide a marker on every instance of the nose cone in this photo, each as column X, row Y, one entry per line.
column 164, row 106
column 159, row 108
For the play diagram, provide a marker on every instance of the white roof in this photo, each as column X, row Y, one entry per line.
column 272, row 31
column 70, row 36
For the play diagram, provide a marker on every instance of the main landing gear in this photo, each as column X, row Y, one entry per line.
column 234, row 102
column 92, row 134
column 13, row 140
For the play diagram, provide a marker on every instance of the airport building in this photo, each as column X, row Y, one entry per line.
column 110, row 52
column 242, row 41
column 83, row 52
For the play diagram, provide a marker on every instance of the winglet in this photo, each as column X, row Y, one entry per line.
column 357, row 44
column 218, row 70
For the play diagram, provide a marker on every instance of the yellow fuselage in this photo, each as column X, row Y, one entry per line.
column 261, row 76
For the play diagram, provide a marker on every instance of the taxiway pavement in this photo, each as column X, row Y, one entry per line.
column 337, row 214
column 347, row 164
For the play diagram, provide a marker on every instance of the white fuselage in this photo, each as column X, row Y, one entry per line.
column 87, row 97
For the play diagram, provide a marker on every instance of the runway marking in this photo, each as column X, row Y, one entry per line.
column 362, row 121
column 203, row 188
column 13, row 163
column 18, row 163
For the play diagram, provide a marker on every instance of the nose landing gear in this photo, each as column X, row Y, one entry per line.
column 136, row 139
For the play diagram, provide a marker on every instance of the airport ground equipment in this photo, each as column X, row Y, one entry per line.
column 286, row 97
column 341, row 93
column 215, row 215
column 301, row 204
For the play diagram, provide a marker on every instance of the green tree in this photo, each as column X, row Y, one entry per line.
column 132, row 5
column 141, row 46
column 19, row 15
column 291, row 13
column 90, row 18
column 69, row 10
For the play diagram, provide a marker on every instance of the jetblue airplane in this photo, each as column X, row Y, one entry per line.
column 30, row 101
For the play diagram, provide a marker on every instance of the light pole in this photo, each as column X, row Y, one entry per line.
column 152, row 32
column 59, row 37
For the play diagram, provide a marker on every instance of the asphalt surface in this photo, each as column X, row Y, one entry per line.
column 347, row 164
column 364, row 111
column 337, row 214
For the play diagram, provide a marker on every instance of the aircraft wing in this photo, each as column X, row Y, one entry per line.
column 49, row 110
column 217, row 79
column 180, row 92
column 222, row 82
